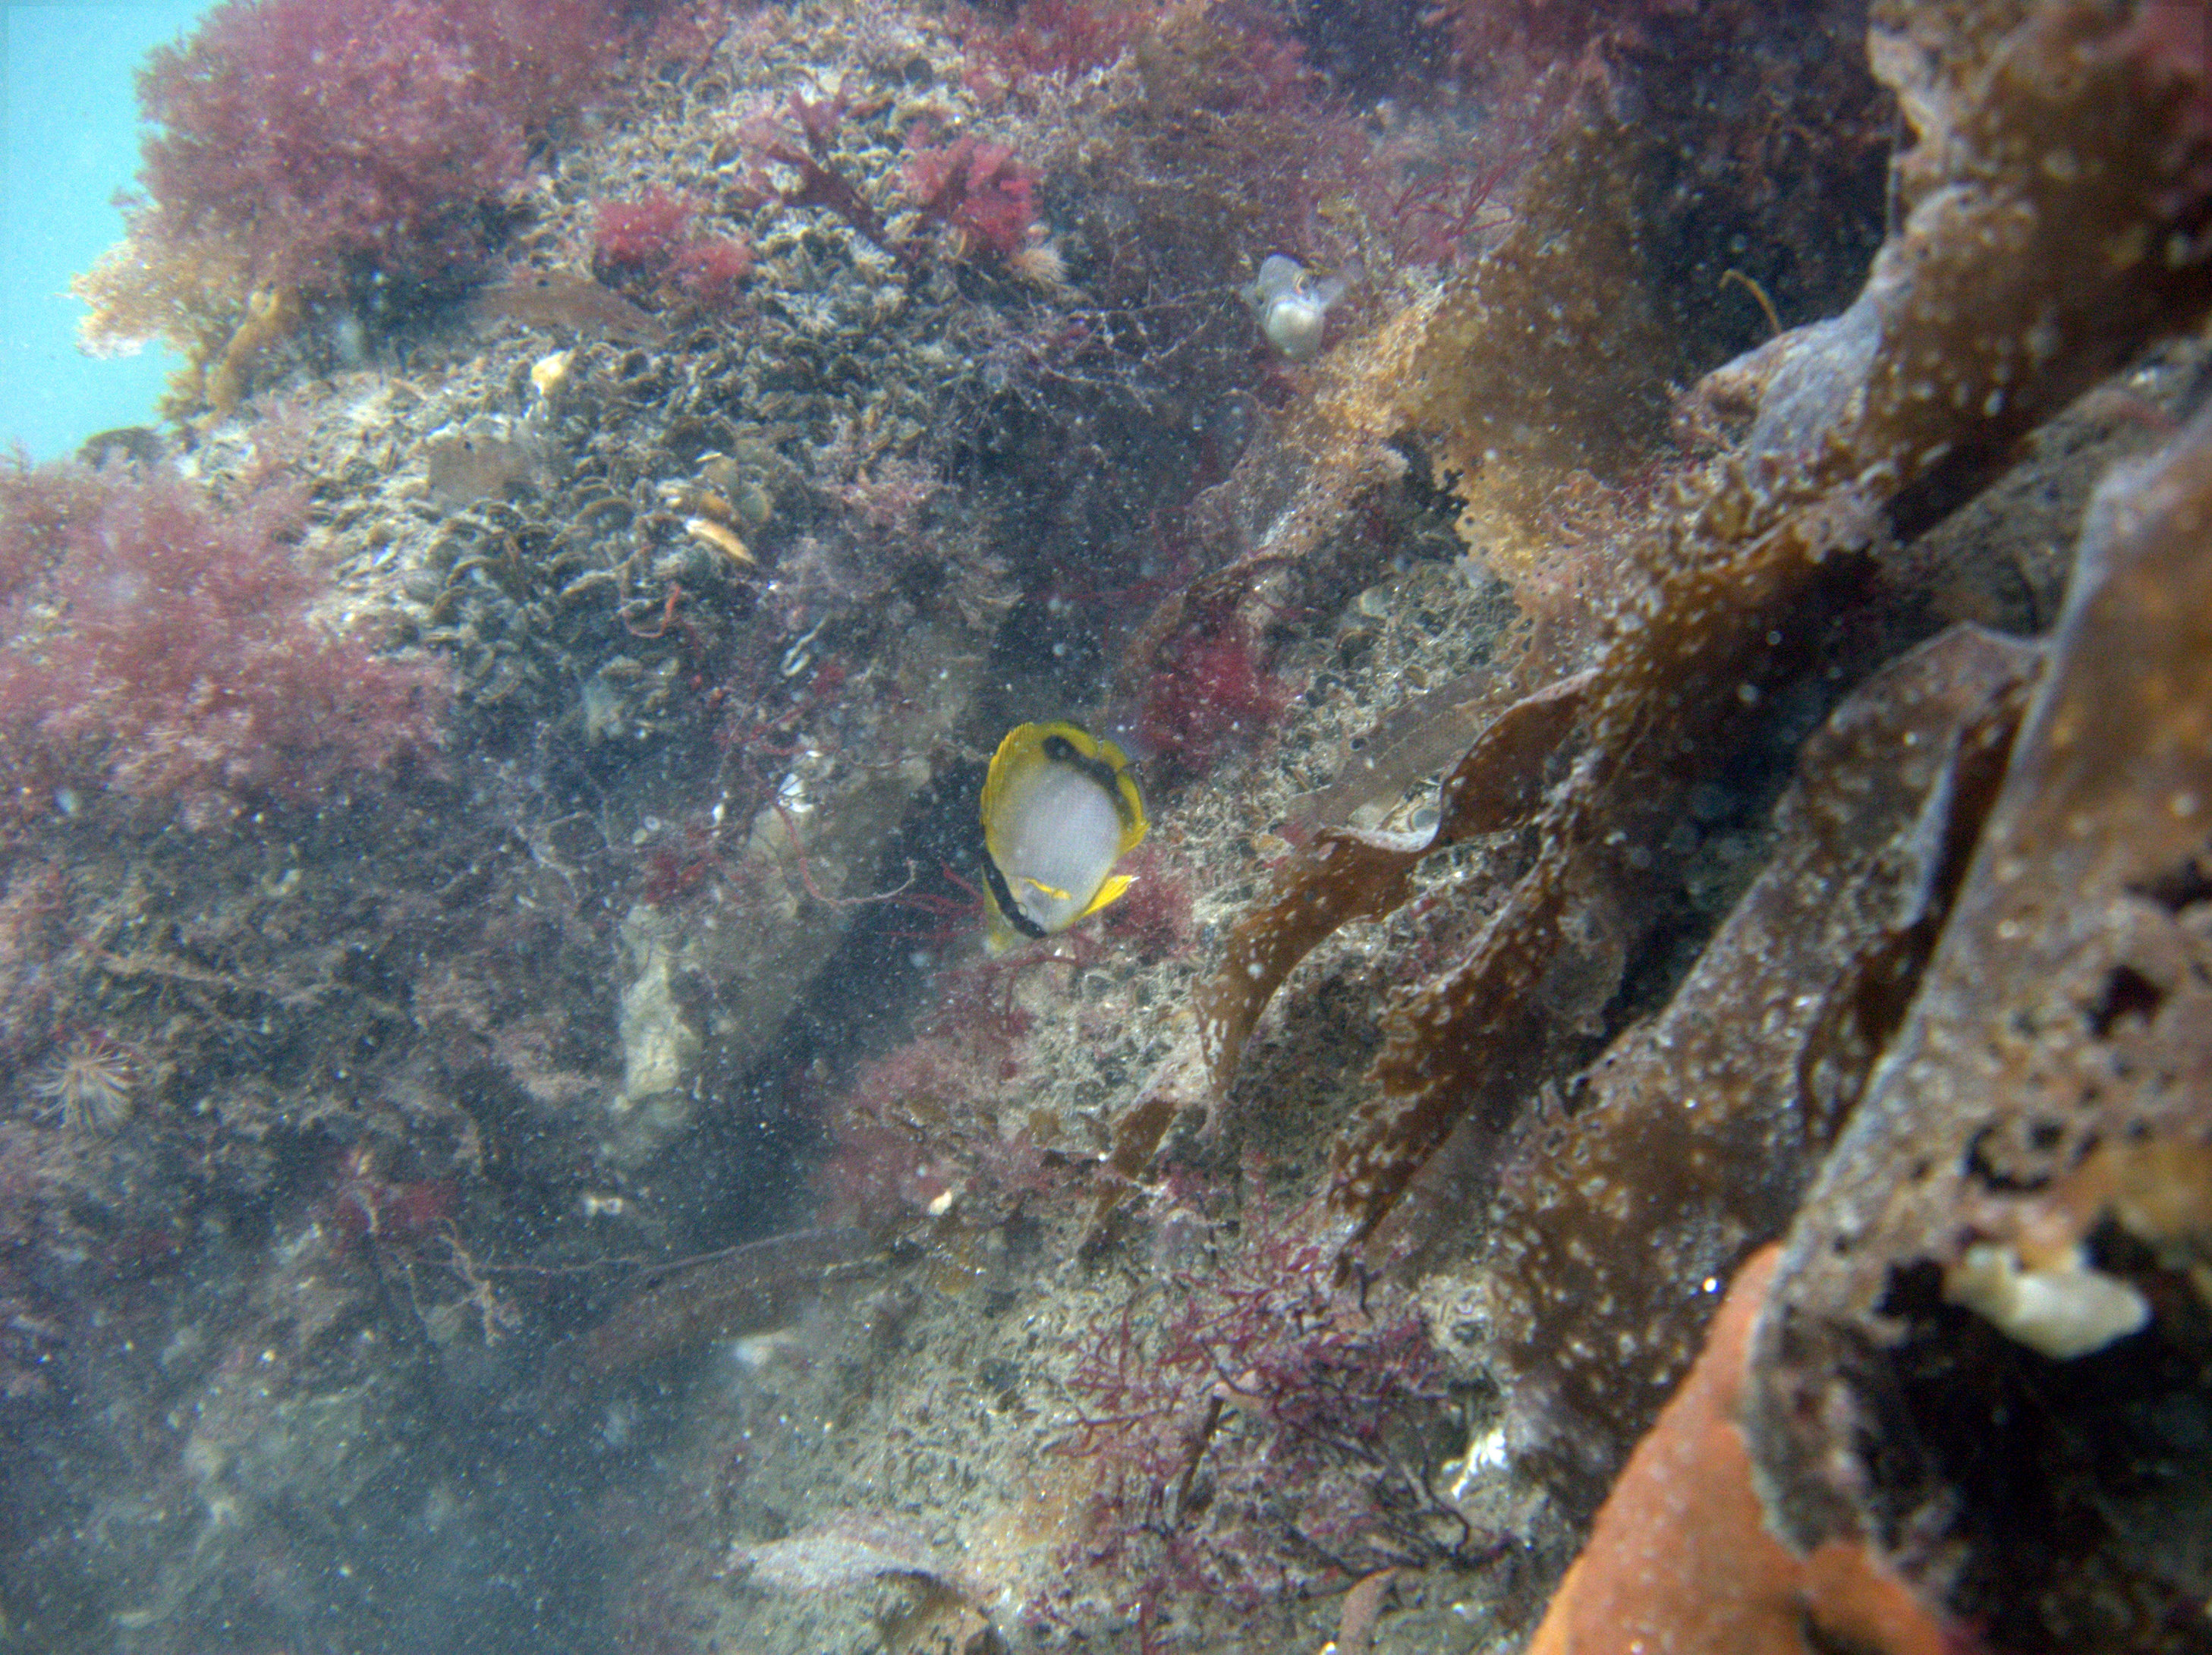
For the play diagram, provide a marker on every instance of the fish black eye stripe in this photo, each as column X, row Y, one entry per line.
column 1002, row 898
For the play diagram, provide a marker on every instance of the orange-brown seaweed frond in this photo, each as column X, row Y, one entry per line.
column 2003, row 1257
column 1345, row 875
column 190, row 299
column 1694, row 1135
column 2047, row 256
column 1549, row 356
column 272, row 315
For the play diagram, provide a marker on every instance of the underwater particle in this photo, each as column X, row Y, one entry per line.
column 1293, row 307
column 91, row 1081
column 1059, row 809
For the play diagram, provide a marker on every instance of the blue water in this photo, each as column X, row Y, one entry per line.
column 71, row 142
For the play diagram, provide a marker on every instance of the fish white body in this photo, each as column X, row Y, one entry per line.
column 1063, row 837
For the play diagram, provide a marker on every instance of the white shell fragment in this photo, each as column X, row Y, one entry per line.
column 2063, row 1311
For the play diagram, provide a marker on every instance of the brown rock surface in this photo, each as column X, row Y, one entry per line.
column 1947, row 1366
column 1690, row 1141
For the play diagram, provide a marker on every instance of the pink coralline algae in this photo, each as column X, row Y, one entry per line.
column 163, row 647
column 643, row 233
column 1055, row 40
column 1211, row 695
column 975, row 189
column 651, row 237
column 1254, row 1433
column 313, row 138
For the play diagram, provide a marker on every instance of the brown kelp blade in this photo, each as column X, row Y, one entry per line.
column 1346, row 875
column 2033, row 260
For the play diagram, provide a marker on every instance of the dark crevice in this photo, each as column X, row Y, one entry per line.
column 2128, row 993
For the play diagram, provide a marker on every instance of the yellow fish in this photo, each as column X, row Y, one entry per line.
column 1059, row 809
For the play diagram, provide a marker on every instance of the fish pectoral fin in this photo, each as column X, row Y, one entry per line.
column 1110, row 891
column 1052, row 891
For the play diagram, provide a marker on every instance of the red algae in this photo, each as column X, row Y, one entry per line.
column 178, row 660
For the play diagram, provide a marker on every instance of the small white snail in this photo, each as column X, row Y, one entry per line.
column 1292, row 306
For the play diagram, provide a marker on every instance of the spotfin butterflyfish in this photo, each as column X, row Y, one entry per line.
column 1059, row 809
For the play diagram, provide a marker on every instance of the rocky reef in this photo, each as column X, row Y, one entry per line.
column 1673, row 713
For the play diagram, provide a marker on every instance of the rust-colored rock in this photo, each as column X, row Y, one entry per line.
column 1679, row 1561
